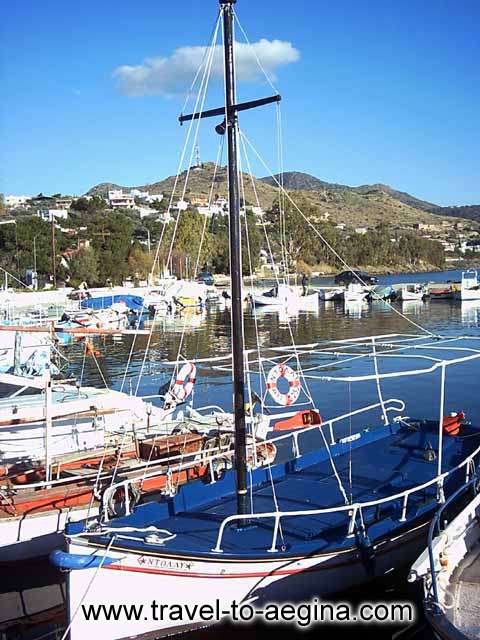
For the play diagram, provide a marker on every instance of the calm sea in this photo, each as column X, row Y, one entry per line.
column 207, row 334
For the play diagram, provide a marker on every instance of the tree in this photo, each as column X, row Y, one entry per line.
column 139, row 262
column 84, row 267
column 290, row 231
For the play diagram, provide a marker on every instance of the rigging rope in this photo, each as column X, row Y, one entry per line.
column 325, row 241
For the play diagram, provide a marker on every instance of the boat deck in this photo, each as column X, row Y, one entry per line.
column 381, row 468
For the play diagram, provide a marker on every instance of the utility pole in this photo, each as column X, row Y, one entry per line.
column 54, row 255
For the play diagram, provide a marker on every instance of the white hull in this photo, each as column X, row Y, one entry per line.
column 283, row 301
column 467, row 294
column 407, row 296
column 349, row 296
column 81, row 422
column 136, row 579
column 331, row 294
column 36, row 535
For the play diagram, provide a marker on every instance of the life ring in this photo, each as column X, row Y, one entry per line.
column 115, row 503
column 453, row 423
column 274, row 375
column 183, row 386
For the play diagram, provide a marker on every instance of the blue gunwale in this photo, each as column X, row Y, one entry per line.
column 385, row 461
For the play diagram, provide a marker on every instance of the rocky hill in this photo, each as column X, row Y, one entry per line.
column 365, row 205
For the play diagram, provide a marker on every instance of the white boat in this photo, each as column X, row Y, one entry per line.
column 450, row 569
column 408, row 292
column 284, row 296
column 82, row 418
column 329, row 516
column 355, row 292
column 335, row 293
column 174, row 295
column 23, row 352
column 469, row 287
column 115, row 317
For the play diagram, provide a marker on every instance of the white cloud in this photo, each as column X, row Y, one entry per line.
column 173, row 75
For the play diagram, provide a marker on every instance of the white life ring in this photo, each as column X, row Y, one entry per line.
column 274, row 375
column 183, row 386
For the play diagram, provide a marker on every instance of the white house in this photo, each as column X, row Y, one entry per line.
column 145, row 211
column 470, row 245
column 117, row 199
column 212, row 210
column 16, row 201
column 155, row 197
column 50, row 214
column 165, row 217
column 181, row 205
column 136, row 193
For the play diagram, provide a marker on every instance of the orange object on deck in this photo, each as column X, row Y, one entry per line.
column 299, row 420
column 89, row 349
column 452, row 423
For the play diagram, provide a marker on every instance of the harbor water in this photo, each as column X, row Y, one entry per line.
column 32, row 596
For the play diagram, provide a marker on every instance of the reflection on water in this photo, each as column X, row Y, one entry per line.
column 470, row 312
column 32, row 602
column 25, row 593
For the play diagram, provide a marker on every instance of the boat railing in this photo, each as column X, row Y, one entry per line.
column 353, row 510
column 435, row 526
column 218, row 454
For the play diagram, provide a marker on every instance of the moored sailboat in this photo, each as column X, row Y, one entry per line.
column 325, row 517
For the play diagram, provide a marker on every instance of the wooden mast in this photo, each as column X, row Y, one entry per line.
column 235, row 260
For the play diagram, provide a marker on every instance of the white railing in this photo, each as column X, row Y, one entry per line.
column 353, row 509
column 396, row 405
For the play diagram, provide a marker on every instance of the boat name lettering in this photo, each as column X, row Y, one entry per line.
column 163, row 563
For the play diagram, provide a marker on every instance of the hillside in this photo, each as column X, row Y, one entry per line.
column 199, row 183
column 297, row 180
column 365, row 205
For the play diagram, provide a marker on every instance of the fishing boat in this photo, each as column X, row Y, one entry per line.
column 355, row 292
column 82, row 418
column 348, row 497
column 134, row 303
column 382, row 292
column 469, row 287
column 408, row 292
column 113, row 317
column 36, row 503
column 443, row 293
column 450, row 568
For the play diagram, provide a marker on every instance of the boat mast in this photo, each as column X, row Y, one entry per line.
column 230, row 126
column 235, row 259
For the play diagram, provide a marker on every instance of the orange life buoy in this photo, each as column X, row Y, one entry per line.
column 184, row 382
column 452, row 423
column 294, row 387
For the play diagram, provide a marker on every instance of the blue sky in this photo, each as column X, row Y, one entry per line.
column 379, row 91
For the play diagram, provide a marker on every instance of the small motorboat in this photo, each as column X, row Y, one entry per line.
column 444, row 293
column 284, row 296
column 409, row 292
column 331, row 294
column 382, row 292
column 355, row 292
